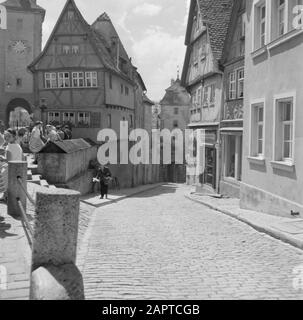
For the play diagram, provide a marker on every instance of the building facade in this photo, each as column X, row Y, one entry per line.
column 20, row 43
column 273, row 145
column 203, row 77
column 231, row 127
column 175, row 107
column 79, row 76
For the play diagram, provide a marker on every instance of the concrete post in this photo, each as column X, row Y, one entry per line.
column 14, row 190
column 54, row 273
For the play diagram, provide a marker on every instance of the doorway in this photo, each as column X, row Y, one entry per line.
column 18, row 114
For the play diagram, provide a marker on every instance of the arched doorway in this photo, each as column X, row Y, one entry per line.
column 18, row 113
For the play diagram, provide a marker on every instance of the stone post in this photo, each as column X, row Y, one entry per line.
column 54, row 273
column 14, row 190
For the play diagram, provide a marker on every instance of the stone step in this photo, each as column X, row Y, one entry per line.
column 44, row 183
column 52, row 187
column 36, row 179
column 29, row 175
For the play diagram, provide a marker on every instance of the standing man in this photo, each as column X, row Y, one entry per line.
column 104, row 176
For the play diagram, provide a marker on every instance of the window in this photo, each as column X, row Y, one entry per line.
column 54, row 117
column 122, row 88
column 70, row 15
column 260, row 130
column 50, row 80
column 176, row 124
column 19, row 82
column 66, row 49
column 257, row 130
column 126, row 91
column 110, row 81
column 284, row 130
column 63, row 80
column 176, row 111
column 91, row 79
column 199, row 97
column 240, row 89
column 260, row 24
column 212, row 95
column 84, row 119
column 232, row 86
column 262, row 12
column 109, row 120
column 75, row 49
column 69, row 117
column 131, row 121
column 287, row 129
column 281, row 17
column 78, row 79
column 205, row 97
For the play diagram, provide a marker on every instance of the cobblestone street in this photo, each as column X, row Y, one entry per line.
column 159, row 245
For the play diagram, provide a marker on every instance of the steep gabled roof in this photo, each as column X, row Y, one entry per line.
column 237, row 6
column 216, row 14
column 96, row 39
column 108, row 30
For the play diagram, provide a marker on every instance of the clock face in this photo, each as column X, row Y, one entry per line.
column 19, row 46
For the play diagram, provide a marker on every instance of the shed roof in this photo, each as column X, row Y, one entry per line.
column 66, row 146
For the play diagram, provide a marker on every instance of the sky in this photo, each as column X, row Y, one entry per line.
column 152, row 32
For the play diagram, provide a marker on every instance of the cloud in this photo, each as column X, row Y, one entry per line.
column 187, row 12
column 148, row 9
column 159, row 54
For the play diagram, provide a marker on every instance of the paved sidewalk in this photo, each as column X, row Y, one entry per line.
column 14, row 258
column 289, row 230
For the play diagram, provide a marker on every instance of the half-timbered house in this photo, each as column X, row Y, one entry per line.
column 202, row 76
column 83, row 77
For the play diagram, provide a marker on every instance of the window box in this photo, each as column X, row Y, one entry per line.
column 257, row 160
column 283, row 165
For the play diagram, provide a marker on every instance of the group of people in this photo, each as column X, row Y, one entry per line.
column 14, row 143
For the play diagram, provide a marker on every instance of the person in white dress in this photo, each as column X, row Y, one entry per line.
column 13, row 152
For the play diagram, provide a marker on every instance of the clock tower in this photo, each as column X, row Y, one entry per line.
column 20, row 43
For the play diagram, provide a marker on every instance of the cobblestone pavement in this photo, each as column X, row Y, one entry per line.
column 159, row 245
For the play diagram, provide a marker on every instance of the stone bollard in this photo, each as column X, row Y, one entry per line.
column 54, row 273
column 14, row 190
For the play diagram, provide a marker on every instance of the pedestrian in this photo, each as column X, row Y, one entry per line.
column 95, row 166
column 104, row 176
column 36, row 140
column 67, row 133
column 60, row 132
column 52, row 134
column 13, row 152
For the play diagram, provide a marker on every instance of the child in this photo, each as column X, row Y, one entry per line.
column 13, row 152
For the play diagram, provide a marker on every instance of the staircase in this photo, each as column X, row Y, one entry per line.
column 34, row 177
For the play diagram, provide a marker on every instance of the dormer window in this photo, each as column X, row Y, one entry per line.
column 65, row 49
column 70, row 15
